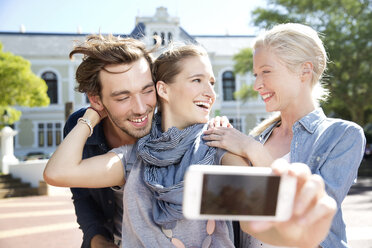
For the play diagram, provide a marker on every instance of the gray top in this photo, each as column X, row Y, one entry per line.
column 139, row 229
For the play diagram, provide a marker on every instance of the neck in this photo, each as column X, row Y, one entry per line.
column 292, row 115
column 167, row 121
column 115, row 137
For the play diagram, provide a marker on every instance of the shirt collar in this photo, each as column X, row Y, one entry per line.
column 310, row 122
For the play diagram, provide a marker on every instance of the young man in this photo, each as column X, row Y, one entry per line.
column 115, row 74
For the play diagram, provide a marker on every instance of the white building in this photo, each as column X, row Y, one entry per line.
column 41, row 129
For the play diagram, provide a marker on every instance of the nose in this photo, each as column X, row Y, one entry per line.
column 209, row 92
column 258, row 84
column 138, row 105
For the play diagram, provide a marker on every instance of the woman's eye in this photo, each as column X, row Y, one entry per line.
column 197, row 80
column 212, row 83
column 266, row 71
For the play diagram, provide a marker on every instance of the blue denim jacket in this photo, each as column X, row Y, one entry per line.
column 333, row 149
column 94, row 208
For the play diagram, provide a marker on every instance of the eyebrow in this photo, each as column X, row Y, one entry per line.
column 197, row 75
column 265, row 66
column 126, row 92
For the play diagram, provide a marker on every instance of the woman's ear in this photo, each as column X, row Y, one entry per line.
column 163, row 90
column 306, row 71
column 95, row 102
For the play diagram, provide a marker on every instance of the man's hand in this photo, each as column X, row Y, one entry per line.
column 98, row 241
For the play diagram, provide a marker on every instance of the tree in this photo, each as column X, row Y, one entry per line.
column 19, row 86
column 346, row 26
column 243, row 64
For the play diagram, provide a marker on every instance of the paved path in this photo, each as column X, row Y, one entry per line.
column 357, row 209
column 50, row 222
column 39, row 221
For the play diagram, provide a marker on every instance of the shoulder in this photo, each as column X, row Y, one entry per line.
column 72, row 119
column 340, row 125
column 335, row 131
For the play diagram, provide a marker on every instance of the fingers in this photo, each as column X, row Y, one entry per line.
column 225, row 122
column 311, row 202
column 281, row 166
column 211, row 122
column 260, row 226
column 325, row 207
column 220, row 131
column 310, row 191
column 219, row 121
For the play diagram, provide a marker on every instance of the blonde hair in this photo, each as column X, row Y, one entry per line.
column 295, row 44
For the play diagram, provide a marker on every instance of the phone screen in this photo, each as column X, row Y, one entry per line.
column 239, row 195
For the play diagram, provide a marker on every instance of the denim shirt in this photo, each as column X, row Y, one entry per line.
column 333, row 149
column 94, row 208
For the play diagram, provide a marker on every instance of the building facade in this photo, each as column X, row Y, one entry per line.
column 40, row 129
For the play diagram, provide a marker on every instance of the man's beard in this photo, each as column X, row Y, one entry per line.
column 131, row 131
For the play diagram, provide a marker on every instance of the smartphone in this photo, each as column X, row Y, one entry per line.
column 237, row 193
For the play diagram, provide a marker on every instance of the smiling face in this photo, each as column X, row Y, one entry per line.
column 129, row 97
column 279, row 87
column 188, row 99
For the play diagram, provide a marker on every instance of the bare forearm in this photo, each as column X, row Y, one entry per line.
column 68, row 156
column 256, row 153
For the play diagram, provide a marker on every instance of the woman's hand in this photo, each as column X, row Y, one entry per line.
column 229, row 139
column 312, row 213
column 219, row 121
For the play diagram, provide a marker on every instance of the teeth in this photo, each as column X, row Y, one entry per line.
column 139, row 120
column 266, row 96
column 203, row 104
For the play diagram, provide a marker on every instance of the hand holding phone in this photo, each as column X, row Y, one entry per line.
column 237, row 193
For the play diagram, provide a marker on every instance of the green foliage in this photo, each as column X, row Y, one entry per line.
column 243, row 63
column 19, row 86
column 246, row 92
column 347, row 29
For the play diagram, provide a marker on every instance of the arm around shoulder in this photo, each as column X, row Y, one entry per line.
column 66, row 168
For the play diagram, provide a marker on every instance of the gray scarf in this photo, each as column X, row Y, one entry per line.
column 167, row 156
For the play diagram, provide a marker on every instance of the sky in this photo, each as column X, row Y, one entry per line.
column 197, row 17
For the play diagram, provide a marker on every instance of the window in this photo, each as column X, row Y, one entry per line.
column 155, row 34
column 228, row 85
column 49, row 134
column 237, row 123
column 170, row 38
column 51, row 80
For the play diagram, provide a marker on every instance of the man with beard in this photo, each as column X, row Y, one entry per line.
column 115, row 74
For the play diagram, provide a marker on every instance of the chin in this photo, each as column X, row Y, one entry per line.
column 204, row 120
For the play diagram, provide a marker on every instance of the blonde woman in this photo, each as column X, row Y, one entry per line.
column 288, row 63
